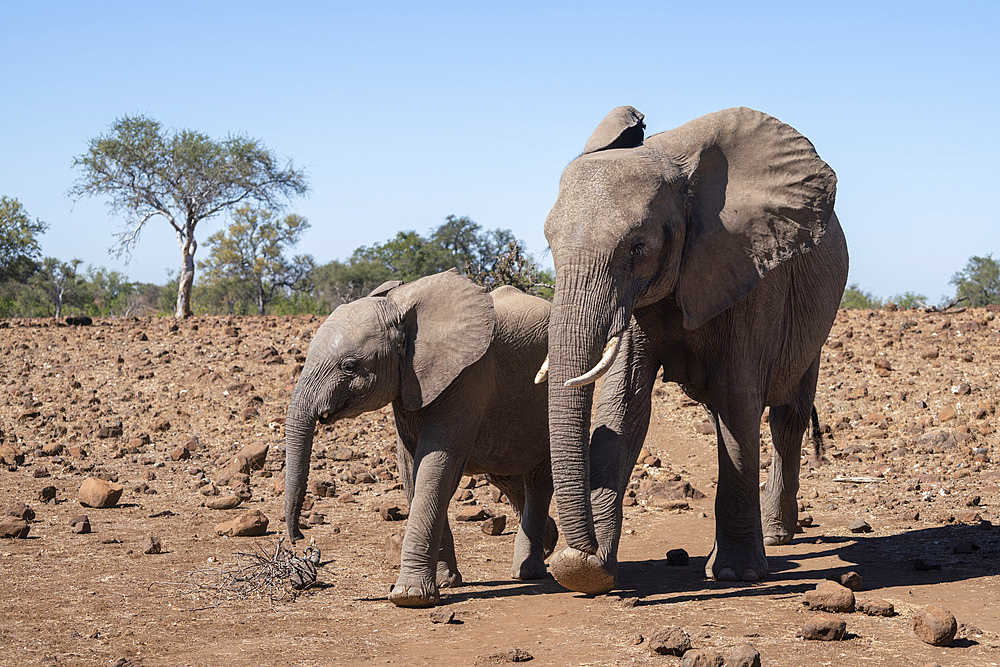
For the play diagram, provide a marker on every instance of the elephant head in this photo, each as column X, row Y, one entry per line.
column 695, row 216
column 403, row 343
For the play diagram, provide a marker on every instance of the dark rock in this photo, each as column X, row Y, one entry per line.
column 830, row 596
column 47, row 494
column 442, row 616
column 824, row 627
column 472, row 514
column 875, row 607
column 935, row 625
column 743, row 655
column 80, row 524
column 19, row 510
column 12, row 527
column 921, row 565
column 860, row 526
column 494, row 525
column 321, row 488
column 180, row 454
column 519, row 655
column 151, row 545
column 390, row 512
column 850, row 580
column 702, row 657
column 964, row 547
column 669, row 641
column 677, row 557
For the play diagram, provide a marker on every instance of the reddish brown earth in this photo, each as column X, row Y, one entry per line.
column 901, row 425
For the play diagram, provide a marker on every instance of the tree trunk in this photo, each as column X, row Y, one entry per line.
column 188, row 246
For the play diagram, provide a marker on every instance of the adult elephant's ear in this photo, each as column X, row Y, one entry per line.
column 758, row 195
column 448, row 323
column 384, row 288
column 622, row 128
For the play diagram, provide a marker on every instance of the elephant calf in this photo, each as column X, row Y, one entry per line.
column 457, row 364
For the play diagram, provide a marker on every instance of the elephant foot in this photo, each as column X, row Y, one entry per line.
column 414, row 592
column 551, row 537
column 732, row 565
column 530, row 568
column 448, row 576
column 581, row 572
column 776, row 537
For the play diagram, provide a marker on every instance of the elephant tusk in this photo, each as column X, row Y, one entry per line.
column 543, row 373
column 610, row 352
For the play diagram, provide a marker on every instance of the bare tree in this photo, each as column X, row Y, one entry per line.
column 184, row 177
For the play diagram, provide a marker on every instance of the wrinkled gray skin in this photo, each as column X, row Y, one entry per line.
column 720, row 240
column 457, row 365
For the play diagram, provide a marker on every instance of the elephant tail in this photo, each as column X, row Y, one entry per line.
column 817, row 438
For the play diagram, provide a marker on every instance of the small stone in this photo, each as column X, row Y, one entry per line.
column 935, row 625
column 12, row 527
column 341, row 454
column 677, row 557
column 637, row 639
column 921, row 565
column 947, row 414
column 806, row 520
column 346, row 497
column 743, row 655
column 702, row 657
column 472, row 514
column 824, row 627
column 394, row 548
column 467, row 483
column 964, row 547
column 52, row 449
column 21, row 511
column 850, row 580
column 830, row 596
column 321, row 488
column 316, row 519
column 47, row 494
column 250, row 524
column 462, row 495
column 80, row 524
column 442, row 616
column 875, row 607
column 652, row 461
column 669, row 641
column 519, row 655
column 151, row 545
column 390, row 512
column 254, row 454
column 100, row 493
column 180, row 454
column 494, row 525
column 860, row 526
column 223, row 502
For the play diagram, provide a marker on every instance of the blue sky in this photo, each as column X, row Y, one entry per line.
column 404, row 113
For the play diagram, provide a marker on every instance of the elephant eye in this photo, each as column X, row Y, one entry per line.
column 349, row 366
column 638, row 249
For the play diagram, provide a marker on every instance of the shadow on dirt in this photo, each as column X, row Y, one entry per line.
column 915, row 558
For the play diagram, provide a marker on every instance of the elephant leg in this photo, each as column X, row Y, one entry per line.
column 779, row 508
column 534, row 533
column 738, row 554
column 448, row 575
column 621, row 422
column 513, row 487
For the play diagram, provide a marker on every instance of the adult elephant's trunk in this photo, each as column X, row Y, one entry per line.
column 300, row 424
column 578, row 331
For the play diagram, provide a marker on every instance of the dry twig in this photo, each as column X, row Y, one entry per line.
column 257, row 574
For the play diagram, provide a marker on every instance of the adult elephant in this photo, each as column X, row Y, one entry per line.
column 719, row 238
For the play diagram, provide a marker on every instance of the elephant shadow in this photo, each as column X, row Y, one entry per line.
column 926, row 556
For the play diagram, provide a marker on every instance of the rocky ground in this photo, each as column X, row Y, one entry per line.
column 180, row 418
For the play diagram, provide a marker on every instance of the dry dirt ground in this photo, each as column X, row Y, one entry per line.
column 908, row 399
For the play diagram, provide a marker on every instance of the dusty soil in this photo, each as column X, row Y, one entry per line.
column 908, row 400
